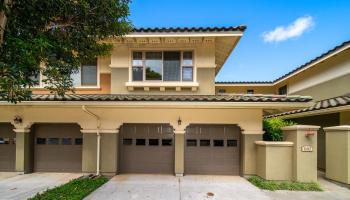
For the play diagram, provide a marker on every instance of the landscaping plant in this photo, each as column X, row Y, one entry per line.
column 76, row 189
column 283, row 185
column 273, row 128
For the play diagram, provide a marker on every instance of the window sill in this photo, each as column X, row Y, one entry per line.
column 162, row 86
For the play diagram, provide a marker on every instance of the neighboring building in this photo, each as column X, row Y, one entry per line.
column 325, row 78
column 150, row 107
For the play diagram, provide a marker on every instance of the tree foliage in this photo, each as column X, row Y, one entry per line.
column 57, row 34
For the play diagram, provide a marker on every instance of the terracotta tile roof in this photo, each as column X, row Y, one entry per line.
column 170, row 98
column 319, row 105
column 189, row 29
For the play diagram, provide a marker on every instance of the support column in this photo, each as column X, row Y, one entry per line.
column 249, row 150
column 338, row 153
column 304, row 138
column 179, row 152
column 24, row 150
column 108, row 151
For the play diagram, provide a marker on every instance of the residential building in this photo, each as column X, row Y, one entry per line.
column 149, row 107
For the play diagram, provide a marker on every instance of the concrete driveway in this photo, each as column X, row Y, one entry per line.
column 160, row 187
column 20, row 187
column 154, row 187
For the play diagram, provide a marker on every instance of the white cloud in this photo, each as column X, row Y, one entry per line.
column 296, row 29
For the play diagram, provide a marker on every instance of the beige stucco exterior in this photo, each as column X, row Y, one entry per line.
column 338, row 153
column 304, row 161
column 274, row 160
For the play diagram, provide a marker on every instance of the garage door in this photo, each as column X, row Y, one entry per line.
column 212, row 149
column 7, row 147
column 146, row 148
column 58, row 148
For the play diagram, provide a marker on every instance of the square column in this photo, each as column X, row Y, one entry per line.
column 179, row 152
column 24, row 151
column 338, row 153
column 304, row 138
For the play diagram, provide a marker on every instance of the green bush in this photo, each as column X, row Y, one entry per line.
column 272, row 128
column 283, row 185
column 76, row 189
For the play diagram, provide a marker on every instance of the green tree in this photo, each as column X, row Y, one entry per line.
column 60, row 34
column 273, row 128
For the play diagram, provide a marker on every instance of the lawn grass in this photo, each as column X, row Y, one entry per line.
column 283, row 185
column 76, row 189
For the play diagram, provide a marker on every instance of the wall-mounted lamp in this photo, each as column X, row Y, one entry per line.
column 179, row 121
column 310, row 133
column 17, row 119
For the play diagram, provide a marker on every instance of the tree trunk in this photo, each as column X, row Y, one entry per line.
column 3, row 20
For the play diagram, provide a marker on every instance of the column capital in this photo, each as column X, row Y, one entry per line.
column 337, row 128
column 21, row 130
column 179, row 131
column 301, row 128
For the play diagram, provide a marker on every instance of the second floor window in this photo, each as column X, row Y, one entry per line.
column 250, row 91
column 282, row 90
column 162, row 66
column 86, row 76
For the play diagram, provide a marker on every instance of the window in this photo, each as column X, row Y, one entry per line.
column 162, row 66
column 40, row 140
column 4, row 140
column 218, row 143
column 53, row 141
column 204, row 143
column 222, row 91
column 140, row 142
column 153, row 142
column 153, row 65
column 187, row 66
column 66, row 141
column 86, row 76
column 167, row 142
column 171, row 66
column 231, row 143
column 78, row 141
column 127, row 141
column 282, row 90
column 137, row 66
column 250, row 91
column 191, row 143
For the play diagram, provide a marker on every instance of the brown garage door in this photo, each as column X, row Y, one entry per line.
column 212, row 149
column 7, row 147
column 58, row 148
column 146, row 148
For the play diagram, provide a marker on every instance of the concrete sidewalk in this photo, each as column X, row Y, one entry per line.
column 20, row 187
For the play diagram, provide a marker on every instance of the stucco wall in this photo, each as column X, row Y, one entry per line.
column 204, row 67
column 329, row 89
column 323, row 121
column 274, row 160
column 250, row 120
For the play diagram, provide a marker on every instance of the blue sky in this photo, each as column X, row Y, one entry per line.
column 307, row 28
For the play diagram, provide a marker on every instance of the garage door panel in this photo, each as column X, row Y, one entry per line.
column 57, row 148
column 7, row 147
column 149, row 157
column 220, row 157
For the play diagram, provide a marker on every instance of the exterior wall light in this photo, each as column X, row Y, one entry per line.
column 17, row 120
column 179, row 121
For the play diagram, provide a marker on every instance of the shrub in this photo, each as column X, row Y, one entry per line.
column 273, row 128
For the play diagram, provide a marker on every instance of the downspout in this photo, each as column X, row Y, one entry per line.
column 98, row 125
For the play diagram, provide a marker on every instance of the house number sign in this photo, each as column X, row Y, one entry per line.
column 306, row 148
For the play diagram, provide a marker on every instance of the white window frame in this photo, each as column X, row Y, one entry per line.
column 194, row 68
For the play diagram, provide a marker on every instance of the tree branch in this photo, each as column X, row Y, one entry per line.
column 3, row 20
